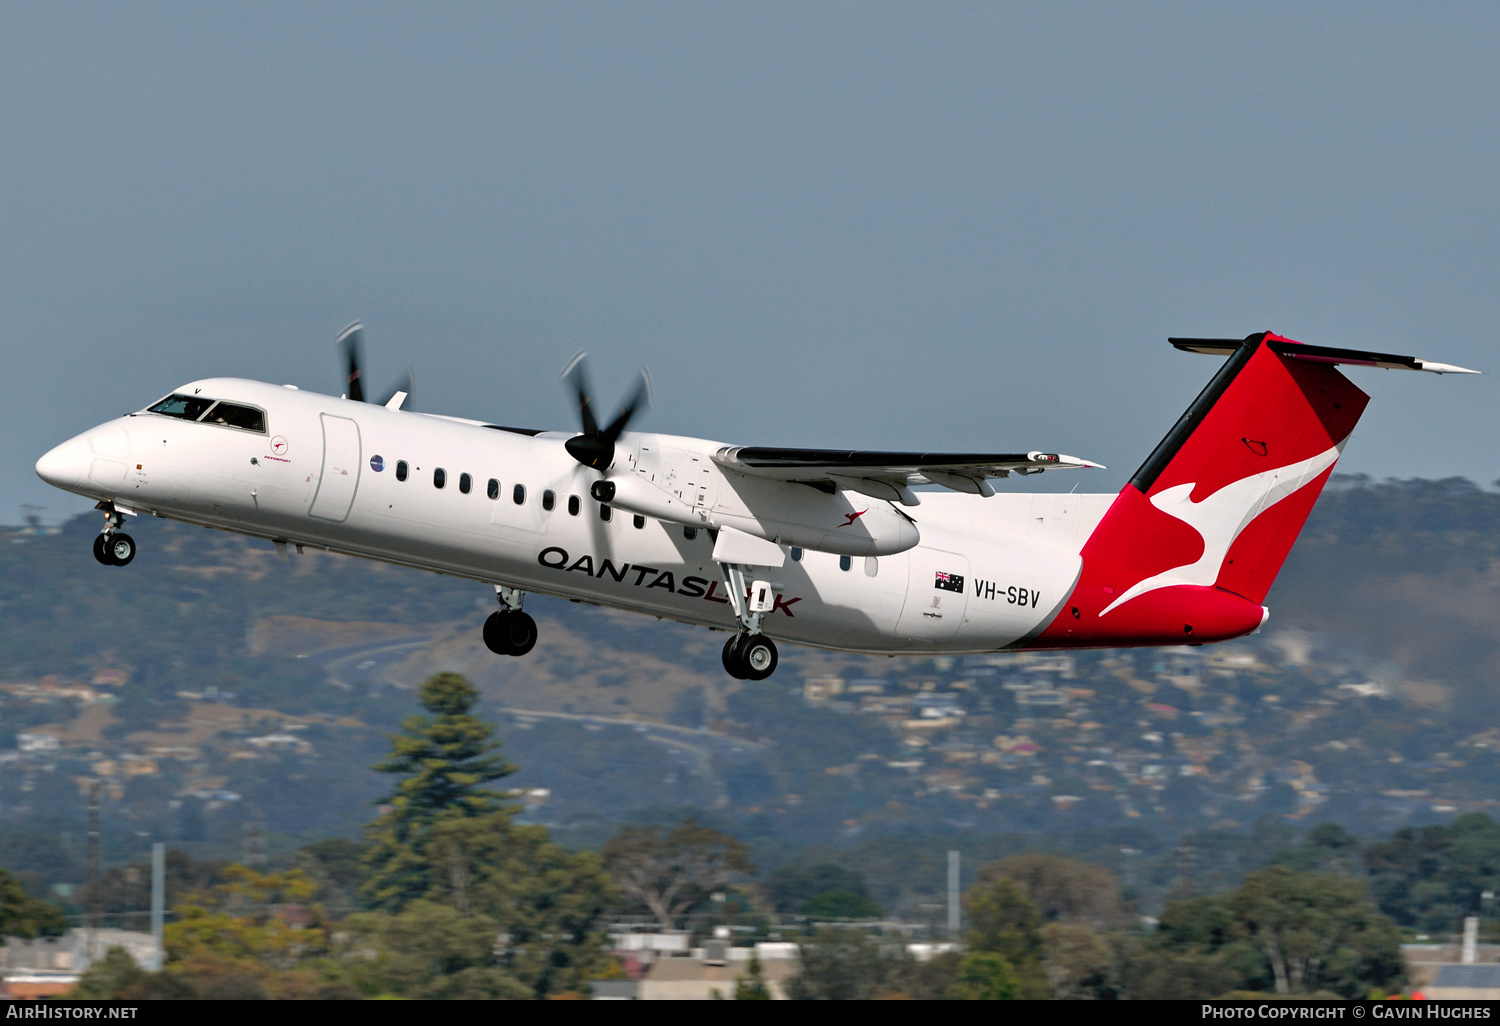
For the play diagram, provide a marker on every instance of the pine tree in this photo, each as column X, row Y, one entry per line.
column 445, row 759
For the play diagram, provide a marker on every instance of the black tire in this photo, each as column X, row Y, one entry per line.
column 121, row 549
column 757, row 653
column 732, row 665
column 497, row 633
column 509, row 633
column 522, row 633
column 100, row 552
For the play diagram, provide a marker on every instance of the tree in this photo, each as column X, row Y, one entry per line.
column 752, row 987
column 1081, row 963
column 1063, row 890
column 984, row 976
column 672, row 872
column 21, row 915
column 1431, row 878
column 1318, row 931
column 445, row 759
column 548, row 903
column 1289, row 932
column 844, row 965
column 825, row 890
column 1004, row 922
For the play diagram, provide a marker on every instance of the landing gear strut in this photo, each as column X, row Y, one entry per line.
column 113, row 547
column 509, row 631
column 749, row 655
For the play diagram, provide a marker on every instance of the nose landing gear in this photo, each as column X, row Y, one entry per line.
column 509, row 631
column 113, row 547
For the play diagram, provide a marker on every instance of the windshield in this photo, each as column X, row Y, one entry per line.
column 246, row 418
column 185, row 407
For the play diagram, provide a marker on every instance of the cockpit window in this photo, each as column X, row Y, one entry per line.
column 185, row 407
column 246, row 418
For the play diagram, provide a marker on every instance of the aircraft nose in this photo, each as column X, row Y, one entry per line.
column 65, row 466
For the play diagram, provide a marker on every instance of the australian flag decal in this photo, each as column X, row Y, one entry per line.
column 949, row 582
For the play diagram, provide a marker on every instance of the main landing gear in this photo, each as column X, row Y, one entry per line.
column 508, row 631
column 749, row 655
column 113, row 547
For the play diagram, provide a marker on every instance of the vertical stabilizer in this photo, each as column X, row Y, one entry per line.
column 1190, row 547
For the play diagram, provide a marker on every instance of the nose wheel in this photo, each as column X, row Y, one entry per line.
column 750, row 657
column 113, row 547
column 116, row 549
column 509, row 631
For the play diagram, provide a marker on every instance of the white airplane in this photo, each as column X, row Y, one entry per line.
column 823, row 548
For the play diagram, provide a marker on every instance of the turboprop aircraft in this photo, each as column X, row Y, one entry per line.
column 827, row 548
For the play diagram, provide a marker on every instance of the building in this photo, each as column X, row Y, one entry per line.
column 706, row 973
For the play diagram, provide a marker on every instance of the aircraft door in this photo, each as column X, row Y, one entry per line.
column 341, row 463
column 936, row 595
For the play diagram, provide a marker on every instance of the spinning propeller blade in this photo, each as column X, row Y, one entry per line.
column 595, row 447
column 352, row 342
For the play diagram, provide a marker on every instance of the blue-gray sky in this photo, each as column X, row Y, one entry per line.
column 927, row 226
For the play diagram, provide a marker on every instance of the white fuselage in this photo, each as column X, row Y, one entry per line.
column 311, row 479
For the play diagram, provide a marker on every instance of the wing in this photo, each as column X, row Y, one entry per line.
column 890, row 475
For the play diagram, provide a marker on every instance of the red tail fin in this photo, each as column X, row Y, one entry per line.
column 1190, row 547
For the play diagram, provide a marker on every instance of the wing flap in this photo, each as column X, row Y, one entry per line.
column 897, row 471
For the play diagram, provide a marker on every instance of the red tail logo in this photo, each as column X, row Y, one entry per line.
column 850, row 518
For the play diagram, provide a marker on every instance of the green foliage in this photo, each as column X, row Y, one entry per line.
column 1326, row 848
column 21, row 915
column 824, row 890
column 752, row 986
column 1291, row 932
column 984, row 976
column 1064, row 890
column 1083, row 963
column 430, row 950
column 445, row 759
column 1431, row 878
column 670, row 873
column 845, row 965
column 1002, row 921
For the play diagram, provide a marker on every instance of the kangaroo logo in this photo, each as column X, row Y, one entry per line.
column 1220, row 517
column 850, row 518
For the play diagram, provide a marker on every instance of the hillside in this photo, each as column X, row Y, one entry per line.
column 217, row 689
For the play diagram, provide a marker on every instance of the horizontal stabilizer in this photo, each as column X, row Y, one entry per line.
column 1318, row 354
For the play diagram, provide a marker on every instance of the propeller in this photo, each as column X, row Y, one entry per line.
column 596, row 446
column 352, row 342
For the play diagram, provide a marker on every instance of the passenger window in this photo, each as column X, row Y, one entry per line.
column 796, row 554
column 493, row 491
column 640, row 522
column 439, row 477
column 465, row 482
column 572, row 505
column 518, row 494
column 845, row 562
column 689, row 532
column 604, row 512
column 872, row 566
column 246, row 418
column 549, row 499
column 400, row 470
column 183, row 407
